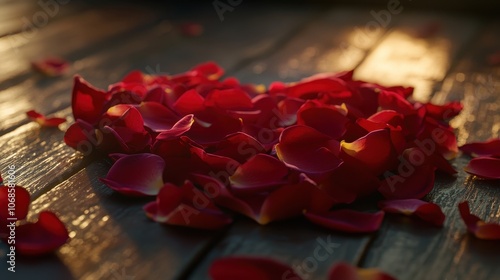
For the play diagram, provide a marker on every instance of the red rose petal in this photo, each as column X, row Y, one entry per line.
column 19, row 197
column 229, row 99
column 415, row 182
column 156, row 116
column 190, row 102
column 443, row 112
column 250, row 268
column 186, row 206
column 308, row 150
column 426, row 211
column 484, row 167
column 238, row 146
column 42, row 237
column 80, row 136
column 179, row 128
column 490, row 148
column 347, row 220
column 329, row 120
column 260, row 173
column 138, row 174
column 43, row 121
column 87, row 102
column 345, row 271
column 476, row 226
column 374, row 150
column 52, row 67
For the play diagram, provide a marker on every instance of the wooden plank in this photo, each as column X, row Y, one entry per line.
column 68, row 35
column 338, row 41
column 111, row 237
column 418, row 51
column 412, row 250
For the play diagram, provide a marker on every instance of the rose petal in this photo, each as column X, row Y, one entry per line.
column 476, row 226
column 490, row 148
column 443, row 112
column 229, row 99
column 329, row 120
column 413, row 182
column 347, row 220
column 308, row 150
column 190, row 102
column 42, row 237
column 179, row 128
column 238, row 146
column 260, row 173
column 43, row 121
column 52, row 66
column 156, row 116
column 20, row 200
column 345, row 271
column 426, row 211
column 81, row 136
column 186, row 206
column 191, row 29
column 484, row 167
column 375, row 151
column 87, row 102
column 138, row 175
column 250, row 268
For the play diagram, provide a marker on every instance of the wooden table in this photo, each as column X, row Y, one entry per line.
column 443, row 55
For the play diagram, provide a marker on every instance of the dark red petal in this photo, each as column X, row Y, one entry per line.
column 87, row 102
column 308, row 150
column 250, row 268
column 16, row 196
column 311, row 87
column 345, row 271
column 213, row 125
column 229, row 99
column 210, row 70
column 179, row 128
column 292, row 200
column 260, row 173
column 476, row 226
column 52, row 67
column 186, row 206
column 238, row 146
column 42, row 237
column 484, row 167
column 389, row 100
column 413, row 182
column 490, row 148
column 374, row 150
column 190, row 102
column 426, row 211
column 346, row 220
column 156, row 116
column 43, row 121
column 80, row 136
column 138, row 174
column 443, row 112
column 329, row 120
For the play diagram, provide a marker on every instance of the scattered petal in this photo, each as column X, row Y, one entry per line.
column 476, row 226
column 490, row 148
column 425, row 211
column 250, row 268
column 52, row 66
column 347, row 220
column 191, row 29
column 484, row 167
column 345, row 271
column 43, row 121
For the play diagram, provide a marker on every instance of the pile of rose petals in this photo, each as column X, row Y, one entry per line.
column 203, row 145
column 44, row 236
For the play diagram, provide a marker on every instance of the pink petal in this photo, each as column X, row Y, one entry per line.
column 426, row 211
column 484, row 167
column 346, row 220
column 490, row 148
column 42, row 237
column 138, row 175
column 345, row 271
column 307, row 150
column 260, row 173
column 250, row 268
column 476, row 226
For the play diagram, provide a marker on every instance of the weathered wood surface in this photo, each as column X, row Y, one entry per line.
column 112, row 238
